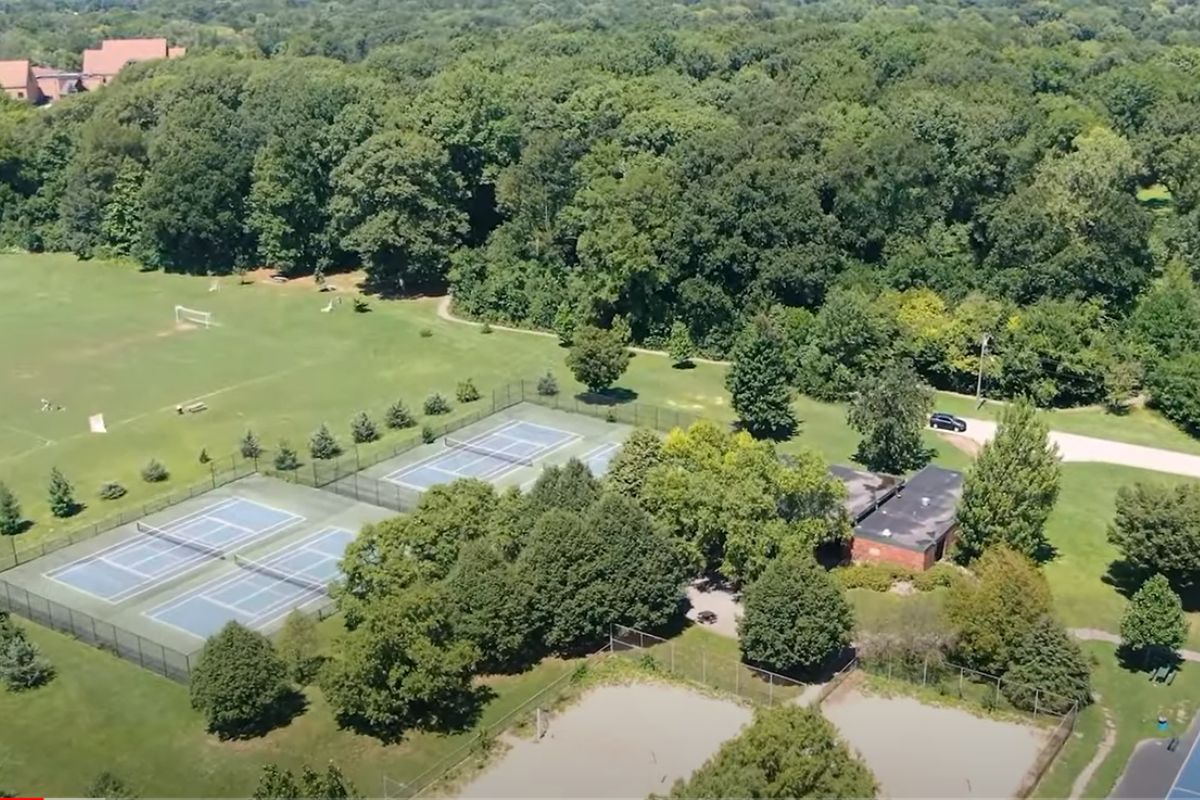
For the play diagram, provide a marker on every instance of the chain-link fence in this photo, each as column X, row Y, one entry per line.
column 693, row 661
column 640, row 415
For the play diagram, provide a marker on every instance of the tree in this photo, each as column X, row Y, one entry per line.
column 155, row 471
column 111, row 490
column 204, row 457
column 490, row 606
column 286, row 459
column 398, row 416
column 276, row 784
column 547, row 385
column 362, row 429
column 759, row 382
column 402, row 666
column 1153, row 626
column 570, row 487
column 238, row 682
column 796, row 617
column 323, row 445
column 1157, row 530
column 640, row 453
column 787, row 752
column 608, row 565
column 679, row 347
column 11, row 521
column 994, row 612
column 1011, row 488
column 250, row 447
column 22, row 666
column 436, row 404
column 110, row 787
column 890, row 411
column 1047, row 671
column 121, row 225
column 62, row 495
column 297, row 645
column 597, row 358
column 1175, row 390
column 850, row 339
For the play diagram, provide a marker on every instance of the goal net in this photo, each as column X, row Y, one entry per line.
column 184, row 314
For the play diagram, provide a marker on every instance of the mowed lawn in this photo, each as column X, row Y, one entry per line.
column 103, row 713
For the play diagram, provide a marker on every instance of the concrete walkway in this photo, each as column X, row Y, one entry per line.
column 1097, row 635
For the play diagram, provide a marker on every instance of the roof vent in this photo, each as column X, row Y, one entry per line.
column 886, row 532
column 924, row 502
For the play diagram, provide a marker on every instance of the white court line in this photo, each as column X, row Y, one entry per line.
column 206, row 590
column 1187, row 760
column 441, row 453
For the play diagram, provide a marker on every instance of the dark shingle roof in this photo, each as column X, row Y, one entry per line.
column 920, row 514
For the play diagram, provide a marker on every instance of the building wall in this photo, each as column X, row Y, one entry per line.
column 29, row 93
column 871, row 551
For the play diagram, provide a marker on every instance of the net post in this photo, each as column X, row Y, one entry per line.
column 212, row 471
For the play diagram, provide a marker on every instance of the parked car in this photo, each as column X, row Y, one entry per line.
column 706, row 617
column 947, row 422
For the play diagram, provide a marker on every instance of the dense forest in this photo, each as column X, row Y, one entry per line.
column 880, row 180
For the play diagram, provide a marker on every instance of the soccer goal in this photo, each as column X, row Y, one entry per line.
column 191, row 315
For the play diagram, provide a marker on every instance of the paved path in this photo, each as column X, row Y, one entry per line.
column 1085, row 775
column 1097, row 635
column 1072, row 446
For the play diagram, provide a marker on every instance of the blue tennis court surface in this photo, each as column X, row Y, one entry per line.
column 255, row 599
column 519, row 440
column 1187, row 781
column 142, row 561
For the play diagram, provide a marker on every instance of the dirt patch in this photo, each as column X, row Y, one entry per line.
column 341, row 282
column 964, row 443
column 617, row 741
column 179, row 327
column 722, row 602
column 918, row 750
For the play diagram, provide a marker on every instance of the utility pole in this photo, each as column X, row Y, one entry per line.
column 983, row 343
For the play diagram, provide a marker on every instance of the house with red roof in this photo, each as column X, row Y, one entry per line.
column 55, row 83
column 101, row 65
column 18, row 81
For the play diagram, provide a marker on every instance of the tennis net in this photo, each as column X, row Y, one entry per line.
column 281, row 575
column 458, row 444
column 158, row 533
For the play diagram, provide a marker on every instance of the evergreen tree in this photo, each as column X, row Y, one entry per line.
column 21, row 663
column 249, row 447
column 362, row 429
column 436, row 404
column 796, row 616
column 994, row 612
column 547, row 385
column 890, row 411
column 238, row 682
column 679, row 347
column 1157, row 530
column 597, row 359
column 286, row 459
column 1153, row 627
column 640, row 453
column 11, row 521
column 1047, row 670
column 467, row 393
column 323, row 445
column 759, row 380
column 398, row 416
column 788, row 752
column 155, row 471
column 276, row 784
column 1011, row 489
column 328, row 785
column 62, row 495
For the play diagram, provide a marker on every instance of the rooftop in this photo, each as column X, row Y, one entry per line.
column 113, row 54
column 864, row 490
column 920, row 514
column 14, row 74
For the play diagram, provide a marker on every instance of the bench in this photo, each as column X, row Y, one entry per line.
column 191, row 408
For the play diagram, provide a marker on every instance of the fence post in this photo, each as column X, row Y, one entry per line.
column 704, row 666
column 737, row 679
column 997, row 692
column 672, row 658
column 1036, row 695
column 960, row 680
column 770, row 691
column 612, row 648
column 925, row 671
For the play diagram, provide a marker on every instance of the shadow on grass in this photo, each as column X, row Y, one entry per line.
column 1148, row 660
column 1127, row 579
column 608, row 397
column 287, row 708
column 454, row 715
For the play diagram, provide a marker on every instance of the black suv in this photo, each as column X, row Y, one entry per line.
column 947, row 422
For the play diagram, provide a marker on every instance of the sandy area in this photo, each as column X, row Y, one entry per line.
column 918, row 750
column 616, row 742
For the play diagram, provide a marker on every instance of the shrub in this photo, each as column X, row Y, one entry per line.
column 875, row 577
column 204, row 456
column 11, row 521
column 362, row 429
column 547, row 385
column 467, row 393
column 426, row 333
column 249, row 446
column 323, row 445
column 428, row 436
column 361, row 306
column 436, row 404
column 111, row 491
column 398, row 416
column 155, row 472
column 938, row 576
column 610, row 416
column 485, row 328
column 286, row 459
column 110, row 787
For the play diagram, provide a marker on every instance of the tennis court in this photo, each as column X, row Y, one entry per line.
column 489, row 455
column 154, row 554
column 258, row 593
column 251, row 551
column 1186, row 785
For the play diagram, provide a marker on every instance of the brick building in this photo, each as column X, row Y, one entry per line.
column 18, row 81
column 914, row 525
column 101, row 65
